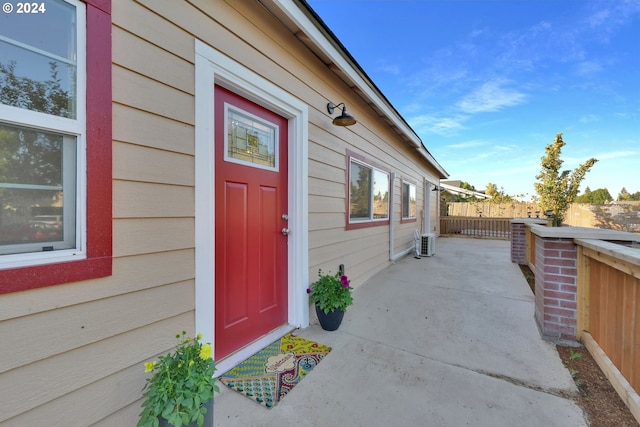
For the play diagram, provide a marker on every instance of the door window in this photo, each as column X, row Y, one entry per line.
column 250, row 140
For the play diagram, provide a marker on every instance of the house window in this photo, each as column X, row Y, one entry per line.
column 408, row 201
column 368, row 194
column 42, row 91
column 55, row 148
column 250, row 140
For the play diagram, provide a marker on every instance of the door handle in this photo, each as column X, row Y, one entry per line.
column 286, row 231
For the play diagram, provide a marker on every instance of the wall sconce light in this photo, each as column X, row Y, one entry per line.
column 343, row 119
column 436, row 188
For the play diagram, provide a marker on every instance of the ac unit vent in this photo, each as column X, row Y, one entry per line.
column 427, row 245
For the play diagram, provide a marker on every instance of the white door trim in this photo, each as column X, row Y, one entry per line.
column 213, row 67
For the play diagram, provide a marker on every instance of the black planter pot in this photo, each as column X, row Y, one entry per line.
column 330, row 321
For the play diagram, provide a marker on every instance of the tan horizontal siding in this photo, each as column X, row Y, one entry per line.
column 331, row 172
column 41, row 382
column 145, row 200
column 122, row 417
column 362, row 240
column 149, row 95
column 57, row 331
column 150, row 235
column 138, row 55
column 142, row 128
column 327, row 221
column 319, row 187
column 325, row 204
column 151, row 27
column 137, row 163
column 130, row 274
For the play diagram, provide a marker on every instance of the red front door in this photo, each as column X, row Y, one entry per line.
column 250, row 215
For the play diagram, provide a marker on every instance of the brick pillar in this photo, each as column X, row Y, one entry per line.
column 518, row 242
column 556, row 288
column 519, row 237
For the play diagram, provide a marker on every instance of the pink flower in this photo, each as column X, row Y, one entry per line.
column 345, row 281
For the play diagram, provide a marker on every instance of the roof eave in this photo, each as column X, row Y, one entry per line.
column 305, row 23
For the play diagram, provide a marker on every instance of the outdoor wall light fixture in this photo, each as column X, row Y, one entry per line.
column 343, row 119
column 436, row 188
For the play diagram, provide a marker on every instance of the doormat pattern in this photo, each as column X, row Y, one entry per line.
column 270, row 374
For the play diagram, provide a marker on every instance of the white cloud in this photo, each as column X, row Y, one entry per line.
column 587, row 68
column 391, row 69
column 589, row 118
column 616, row 155
column 491, row 96
column 467, row 144
column 439, row 125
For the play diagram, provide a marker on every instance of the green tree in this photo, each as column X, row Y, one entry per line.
column 558, row 189
column 467, row 186
column 497, row 196
column 624, row 195
column 360, row 192
column 600, row 196
column 30, row 156
column 596, row 197
column 491, row 190
column 584, row 198
column 45, row 96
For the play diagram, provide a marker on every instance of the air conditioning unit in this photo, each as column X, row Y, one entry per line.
column 427, row 244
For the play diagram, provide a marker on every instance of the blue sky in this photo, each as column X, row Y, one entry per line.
column 487, row 84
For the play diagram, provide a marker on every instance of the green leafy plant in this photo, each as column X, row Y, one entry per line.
column 331, row 292
column 573, row 355
column 182, row 382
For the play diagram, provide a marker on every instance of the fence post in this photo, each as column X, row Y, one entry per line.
column 584, row 297
column 518, row 241
column 519, row 238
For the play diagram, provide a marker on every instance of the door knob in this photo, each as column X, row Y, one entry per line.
column 286, row 231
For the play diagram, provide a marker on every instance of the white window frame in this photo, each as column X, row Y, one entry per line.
column 406, row 204
column 276, row 133
column 373, row 169
column 76, row 128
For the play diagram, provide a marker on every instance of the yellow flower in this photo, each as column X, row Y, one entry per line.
column 199, row 337
column 191, row 362
column 148, row 366
column 205, row 352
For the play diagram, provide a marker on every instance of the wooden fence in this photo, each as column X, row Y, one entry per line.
column 624, row 216
column 590, row 281
column 487, row 228
column 609, row 305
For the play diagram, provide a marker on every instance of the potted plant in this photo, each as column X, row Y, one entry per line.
column 180, row 391
column 331, row 294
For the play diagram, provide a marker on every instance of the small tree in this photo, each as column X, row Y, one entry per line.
column 558, row 189
column 497, row 196
column 624, row 195
column 491, row 190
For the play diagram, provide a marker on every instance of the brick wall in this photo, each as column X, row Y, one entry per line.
column 556, row 271
column 519, row 238
column 556, row 288
column 519, row 242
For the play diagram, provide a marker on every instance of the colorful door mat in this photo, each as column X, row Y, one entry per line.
column 270, row 374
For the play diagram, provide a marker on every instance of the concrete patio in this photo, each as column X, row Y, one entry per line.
column 448, row 340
